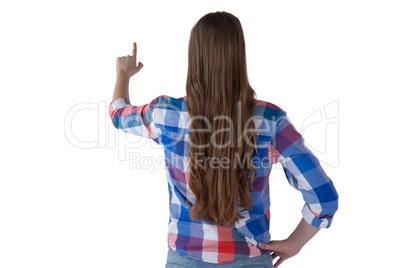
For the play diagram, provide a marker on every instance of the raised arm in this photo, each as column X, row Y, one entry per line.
column 126, row 67
column 137, row 120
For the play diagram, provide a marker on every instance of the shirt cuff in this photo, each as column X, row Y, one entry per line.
column 118, row 103
column 313, row 220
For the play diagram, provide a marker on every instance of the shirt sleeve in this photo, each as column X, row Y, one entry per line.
column 304, row 173
column 137, row 120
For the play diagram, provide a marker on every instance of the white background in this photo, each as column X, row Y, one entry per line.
column 62, row 205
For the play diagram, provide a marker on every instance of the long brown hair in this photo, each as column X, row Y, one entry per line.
column 217, row 89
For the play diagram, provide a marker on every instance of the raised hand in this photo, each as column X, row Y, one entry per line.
column 127, row 65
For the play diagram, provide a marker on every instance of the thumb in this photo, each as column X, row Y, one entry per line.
column 270, row 246
column 140, row 64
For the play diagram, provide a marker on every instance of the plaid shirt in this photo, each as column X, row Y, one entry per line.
column 165, row 121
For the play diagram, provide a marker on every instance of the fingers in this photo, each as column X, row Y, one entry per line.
column 273, row 255
column 134, row 48
column 135, row 52
column 276, row 265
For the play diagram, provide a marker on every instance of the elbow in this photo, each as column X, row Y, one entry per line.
column 329, row 199
column 114, row 118
column 320, row 215
column 115, row 121
column 333, row 204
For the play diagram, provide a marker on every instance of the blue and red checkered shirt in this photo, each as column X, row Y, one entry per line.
column 165, row 121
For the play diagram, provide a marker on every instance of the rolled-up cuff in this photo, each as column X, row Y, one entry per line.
column 313, row 220
column 118, row 103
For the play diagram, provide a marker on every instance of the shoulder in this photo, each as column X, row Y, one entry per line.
column 268, row 110
column 170, row 103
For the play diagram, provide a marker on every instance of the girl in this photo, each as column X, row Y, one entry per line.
column 220, row 143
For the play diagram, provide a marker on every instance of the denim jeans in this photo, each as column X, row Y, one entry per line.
column 177, row 260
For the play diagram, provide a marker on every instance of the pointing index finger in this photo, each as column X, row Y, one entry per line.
column 134, row 49
column 135, row 52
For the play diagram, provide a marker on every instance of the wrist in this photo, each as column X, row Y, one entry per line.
column 122, row 76
column 302, row 234
column 294, row 245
